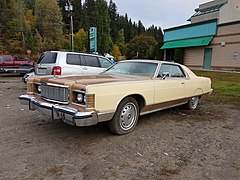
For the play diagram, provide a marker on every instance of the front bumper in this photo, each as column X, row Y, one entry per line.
column 69, row 115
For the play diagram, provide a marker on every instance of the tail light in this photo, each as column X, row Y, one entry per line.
column 57, row 70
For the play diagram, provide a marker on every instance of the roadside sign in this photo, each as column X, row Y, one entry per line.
column 93, row 39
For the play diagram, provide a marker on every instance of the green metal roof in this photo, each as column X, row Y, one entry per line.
column 192, row 42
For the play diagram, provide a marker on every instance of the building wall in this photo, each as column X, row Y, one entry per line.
column 193, row 57
column 230, row 12
column 226, row 47
column 226, row 50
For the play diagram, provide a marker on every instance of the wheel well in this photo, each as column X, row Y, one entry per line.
column 139, row 99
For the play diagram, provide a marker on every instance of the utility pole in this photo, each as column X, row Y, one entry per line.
column 69, row 9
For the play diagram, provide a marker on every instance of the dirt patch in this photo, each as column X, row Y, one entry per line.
column 171, row 144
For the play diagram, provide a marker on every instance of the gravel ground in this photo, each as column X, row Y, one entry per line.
column 171, row 144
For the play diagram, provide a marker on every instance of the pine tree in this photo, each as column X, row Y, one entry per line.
column 103, row 29
column 113, row 24
column 89, row 15
column 77, row 15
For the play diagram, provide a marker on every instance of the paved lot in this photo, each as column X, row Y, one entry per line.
column 171, row 144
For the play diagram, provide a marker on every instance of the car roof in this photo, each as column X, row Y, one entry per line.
column 88, row 54
column 151, row 61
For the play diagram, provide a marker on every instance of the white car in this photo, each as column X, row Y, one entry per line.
column 66, row 63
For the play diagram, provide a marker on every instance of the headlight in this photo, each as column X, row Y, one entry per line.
column 39, row 89
column 80, row 97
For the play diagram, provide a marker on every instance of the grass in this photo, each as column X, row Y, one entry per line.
column 226, row 86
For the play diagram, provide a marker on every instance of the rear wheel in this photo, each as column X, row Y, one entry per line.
column 126, row 117
column 193, row 103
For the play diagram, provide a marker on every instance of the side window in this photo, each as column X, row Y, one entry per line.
column 105, row 63
column 92, row 61
column 164, row 70
column 176, row 72
column 73, row 59
column 1, row 59
column 83, row 61
column 170, row 70
column 8, row 58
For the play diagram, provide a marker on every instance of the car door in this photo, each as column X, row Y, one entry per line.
column 8, row 61
column 92, row 65
column 170, row 85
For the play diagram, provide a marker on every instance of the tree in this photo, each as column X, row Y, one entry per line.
column 49, row 24
column 77, row 14
column 116, row 52
column 121, row 41
column 81, row 41
column 141, row 28
column 141, row 47
column 156, row 32
column 113, row 18
column 14, row 34
column 103, row 29
column 89, row 15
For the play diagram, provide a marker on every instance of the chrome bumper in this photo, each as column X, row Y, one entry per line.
column 69, row 115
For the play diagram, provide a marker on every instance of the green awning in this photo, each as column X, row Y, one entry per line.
column 193, row 42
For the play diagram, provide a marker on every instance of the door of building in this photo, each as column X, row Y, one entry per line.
column 207, row 58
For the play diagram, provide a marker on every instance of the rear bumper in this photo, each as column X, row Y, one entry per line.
column 69, row 115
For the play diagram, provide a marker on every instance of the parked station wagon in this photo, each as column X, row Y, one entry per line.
column 119, row 95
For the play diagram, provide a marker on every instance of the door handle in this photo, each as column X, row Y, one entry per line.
column 182, row 83
column 84, row 68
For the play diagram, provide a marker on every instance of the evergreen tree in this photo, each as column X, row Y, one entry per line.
column 113, row 24
column 89, row 14
column 77, row 15
column 141, row 28
column 103, row 29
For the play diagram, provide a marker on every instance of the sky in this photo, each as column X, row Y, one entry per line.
column 161, row 13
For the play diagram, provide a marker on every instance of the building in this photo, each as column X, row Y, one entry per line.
column 211, row 40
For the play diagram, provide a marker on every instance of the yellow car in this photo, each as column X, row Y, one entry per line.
column 119, row 95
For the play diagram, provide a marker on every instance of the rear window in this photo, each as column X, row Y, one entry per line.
column 47, row 58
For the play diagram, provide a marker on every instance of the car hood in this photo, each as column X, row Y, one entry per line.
column 93, row 79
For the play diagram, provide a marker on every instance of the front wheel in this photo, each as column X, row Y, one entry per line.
column 126, row 117
column 193, row 103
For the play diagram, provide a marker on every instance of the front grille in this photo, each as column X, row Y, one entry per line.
column 55, row 93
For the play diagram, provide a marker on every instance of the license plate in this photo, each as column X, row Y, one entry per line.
column 41, row 71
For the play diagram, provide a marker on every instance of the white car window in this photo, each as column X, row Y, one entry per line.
column 92, row 61
column 73, row 59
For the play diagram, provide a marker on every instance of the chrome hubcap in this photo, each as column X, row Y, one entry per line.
column 194, row 102
column 128, row 116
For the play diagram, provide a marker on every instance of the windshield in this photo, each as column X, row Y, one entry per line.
column 133, row 68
